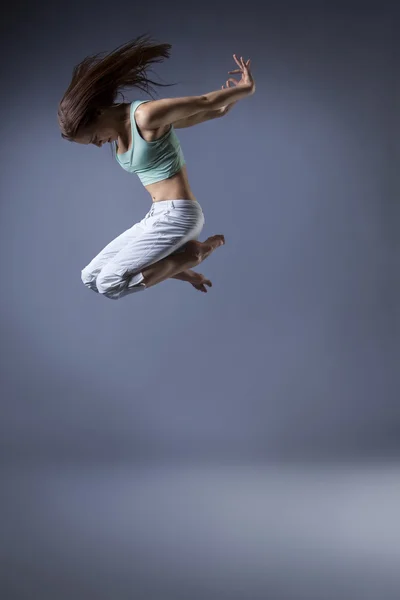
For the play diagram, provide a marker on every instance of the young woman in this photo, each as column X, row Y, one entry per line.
column 165, row 243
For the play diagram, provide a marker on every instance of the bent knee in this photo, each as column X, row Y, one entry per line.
column 108, row 282
column 114, row 284
column 103, row 285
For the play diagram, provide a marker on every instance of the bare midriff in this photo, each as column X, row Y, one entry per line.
column 174, row 188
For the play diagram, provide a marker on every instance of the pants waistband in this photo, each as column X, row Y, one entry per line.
column 175, row 203
column 167, row 205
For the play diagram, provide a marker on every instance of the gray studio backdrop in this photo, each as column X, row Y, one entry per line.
column 291, row 356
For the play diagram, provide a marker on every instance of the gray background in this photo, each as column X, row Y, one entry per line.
column 239, row 444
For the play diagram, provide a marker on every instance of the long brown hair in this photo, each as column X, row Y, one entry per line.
column 99, row 78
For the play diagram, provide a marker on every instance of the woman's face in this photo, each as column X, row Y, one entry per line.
column 101, row 132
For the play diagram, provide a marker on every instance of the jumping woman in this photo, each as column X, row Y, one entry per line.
column 165, row 243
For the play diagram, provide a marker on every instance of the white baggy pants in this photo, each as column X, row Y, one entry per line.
column 117, row 270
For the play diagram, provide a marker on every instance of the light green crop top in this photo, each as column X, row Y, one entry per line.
column 151, row 161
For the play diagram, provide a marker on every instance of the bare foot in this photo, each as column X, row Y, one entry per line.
column 200, row 282
column 204, row 249
column 212, row 243
column 193, row 253
column 197, row 280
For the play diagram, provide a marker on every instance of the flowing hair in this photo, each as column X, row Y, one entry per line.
column 99, row 78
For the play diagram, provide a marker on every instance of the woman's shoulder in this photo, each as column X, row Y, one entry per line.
column 138, row 102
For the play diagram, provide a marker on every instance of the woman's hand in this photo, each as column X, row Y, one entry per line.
column 221, row 103
column 246, row 80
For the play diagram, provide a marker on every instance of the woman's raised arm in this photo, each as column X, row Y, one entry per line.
column 158, row 113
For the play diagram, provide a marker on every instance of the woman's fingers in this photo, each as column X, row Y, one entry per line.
column 243, row 65
column 228, row 83
column 244, row 70
column 236, row 60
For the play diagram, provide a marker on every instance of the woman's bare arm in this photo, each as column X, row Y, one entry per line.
column 159, row 113
column 201, row 117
